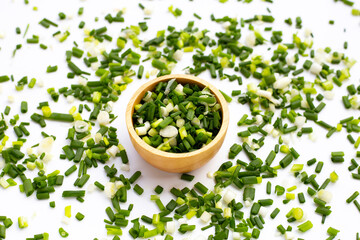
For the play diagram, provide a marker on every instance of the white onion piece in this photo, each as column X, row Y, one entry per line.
column 45, row 145
column 172, row 141
column 315, row 68
column 300, row 121
column 282, row 83
column 325, row 195
column 110, row 189
column 113, row 150
column 103, row 118
column 147, row 98
column 229, row 196
column 205, row 217
column 178, row 55
column 81, row 126
column 170, row 227
column 169, row 131
column 180, row 122
column 167, row 89
column 180, row 88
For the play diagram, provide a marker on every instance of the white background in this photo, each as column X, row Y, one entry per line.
column 32, row 61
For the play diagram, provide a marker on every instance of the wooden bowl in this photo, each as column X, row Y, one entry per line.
column 176, row 162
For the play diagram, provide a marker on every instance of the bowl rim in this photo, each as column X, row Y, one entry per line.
column 175, row 156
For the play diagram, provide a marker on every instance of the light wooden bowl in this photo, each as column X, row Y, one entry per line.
column 176, row 162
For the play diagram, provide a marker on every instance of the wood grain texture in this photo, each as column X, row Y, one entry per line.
column 176, row 162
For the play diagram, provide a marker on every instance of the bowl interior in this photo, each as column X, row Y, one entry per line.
column 183, row 79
